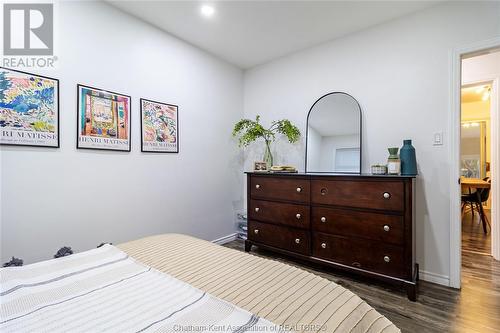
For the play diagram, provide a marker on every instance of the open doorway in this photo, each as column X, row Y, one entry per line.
column 473, row 65
column 475, row 232
column 475, row 167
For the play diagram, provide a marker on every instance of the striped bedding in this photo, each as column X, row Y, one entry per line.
column 288, row 296
column 105, row 290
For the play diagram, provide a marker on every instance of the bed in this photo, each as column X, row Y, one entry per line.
column 216, row 288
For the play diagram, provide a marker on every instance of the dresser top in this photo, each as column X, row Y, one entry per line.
column 323, row 174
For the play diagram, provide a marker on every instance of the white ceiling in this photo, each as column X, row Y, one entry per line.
column 249, row 33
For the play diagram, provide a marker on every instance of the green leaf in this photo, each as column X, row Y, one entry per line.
column 288, row 129
column 248, row 130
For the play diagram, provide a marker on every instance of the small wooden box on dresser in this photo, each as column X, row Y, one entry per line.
column 363, row 224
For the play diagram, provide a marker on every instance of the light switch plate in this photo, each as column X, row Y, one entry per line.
column 438, row 139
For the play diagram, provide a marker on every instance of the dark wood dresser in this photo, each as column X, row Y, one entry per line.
column 362, row 224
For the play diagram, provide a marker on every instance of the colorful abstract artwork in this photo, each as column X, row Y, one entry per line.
column 103, row 119
column 160, row 127
column 29, row 109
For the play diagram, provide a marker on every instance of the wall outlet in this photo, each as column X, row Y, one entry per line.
column 438, row 139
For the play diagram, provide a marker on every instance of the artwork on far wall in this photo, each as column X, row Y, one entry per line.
column 103, row 119
column 29, row 109
column 159, row 127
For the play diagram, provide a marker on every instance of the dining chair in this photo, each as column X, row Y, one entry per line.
column 476, row 199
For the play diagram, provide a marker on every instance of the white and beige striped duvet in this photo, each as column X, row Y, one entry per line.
column 286, row 295
column 105, row 290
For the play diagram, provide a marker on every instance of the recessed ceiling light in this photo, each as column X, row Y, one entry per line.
column 207, row 10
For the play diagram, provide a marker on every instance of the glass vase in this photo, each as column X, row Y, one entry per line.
column 268, row 156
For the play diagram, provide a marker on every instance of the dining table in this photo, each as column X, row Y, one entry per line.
column 476, row 185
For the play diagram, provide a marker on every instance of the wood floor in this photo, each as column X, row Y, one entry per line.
column 476, row 308
column 473, row 237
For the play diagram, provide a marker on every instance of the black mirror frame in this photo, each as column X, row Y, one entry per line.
column 360, row 134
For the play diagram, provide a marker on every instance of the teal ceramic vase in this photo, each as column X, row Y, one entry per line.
column 408, row 159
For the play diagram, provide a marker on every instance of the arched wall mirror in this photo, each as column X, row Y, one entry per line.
column 333, row 138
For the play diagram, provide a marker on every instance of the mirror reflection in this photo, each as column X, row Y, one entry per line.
column 473, row 149
column 334, row 135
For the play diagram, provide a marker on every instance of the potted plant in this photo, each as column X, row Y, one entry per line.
column 250, row 130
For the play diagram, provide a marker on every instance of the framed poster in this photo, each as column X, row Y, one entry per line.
column 103, row 119
column 159, row 127
column 29, row 109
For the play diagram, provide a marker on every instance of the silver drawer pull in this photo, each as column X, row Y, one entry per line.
column 299, row 189
column 386, row 228
column 297, row 240
column 323, row 191
column 323, row 219
column 323, row 245
column 387, row 259
column 298, row 216
column 257, row 186
column 256, row 231
column 257, row 209
column 387, row 195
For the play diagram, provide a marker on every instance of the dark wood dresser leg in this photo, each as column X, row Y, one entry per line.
column 411, row 292
column 248, row 246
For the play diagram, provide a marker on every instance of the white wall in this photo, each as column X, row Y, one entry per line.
column 399, row 73
column 79, row 198
column 479, row 67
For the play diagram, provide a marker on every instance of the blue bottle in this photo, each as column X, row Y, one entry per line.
column 408, row 159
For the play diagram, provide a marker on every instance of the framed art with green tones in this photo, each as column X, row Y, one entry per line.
column 29, row 109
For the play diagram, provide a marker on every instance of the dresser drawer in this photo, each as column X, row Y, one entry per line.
column 280, row 213
column 381, row 227
column 387, row 195
column 280, row 188
column 291, row 239
column 360, row 253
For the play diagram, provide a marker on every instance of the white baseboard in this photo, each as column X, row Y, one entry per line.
column 225, row 239
column 434, row 278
